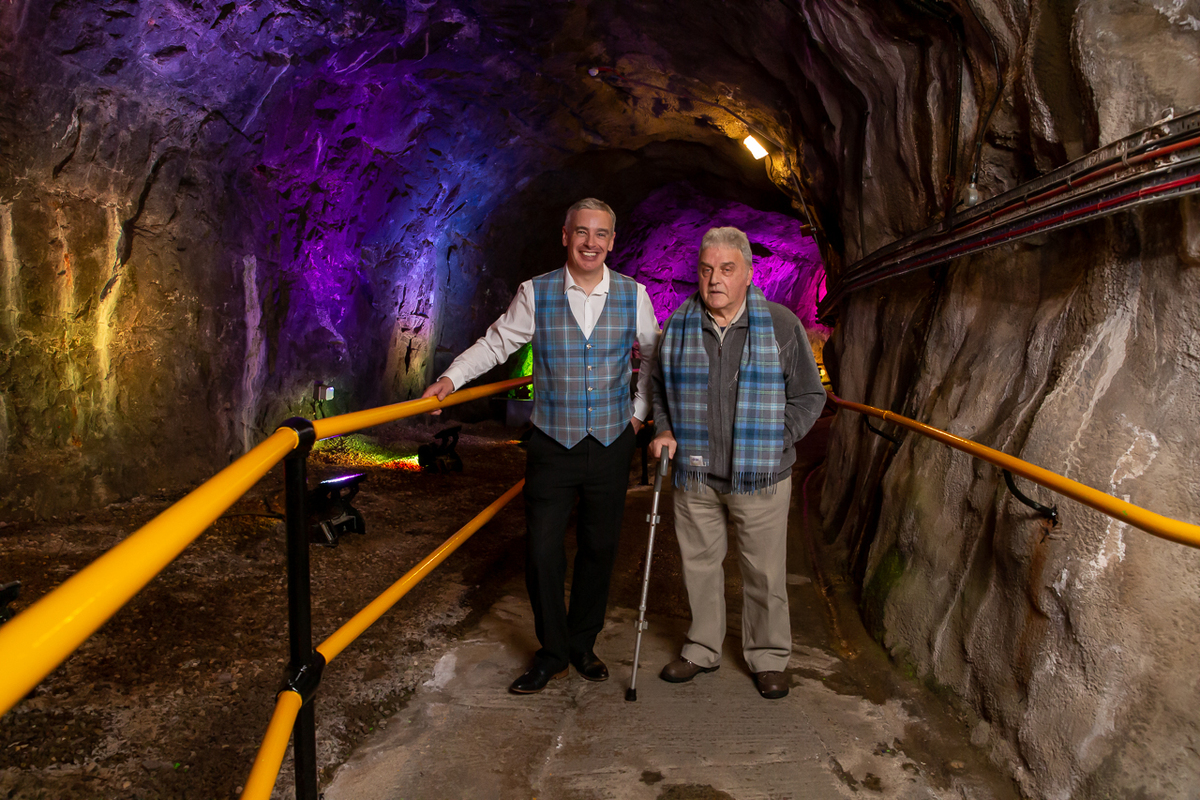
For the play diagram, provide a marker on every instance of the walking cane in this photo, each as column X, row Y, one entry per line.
column 653, row 518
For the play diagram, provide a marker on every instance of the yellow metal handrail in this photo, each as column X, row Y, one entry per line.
column 357, row 420
column 1164, row 527
column 274, row 745
column 38, row 639
column 354, row 627
column 42, row 636
column 270, row 756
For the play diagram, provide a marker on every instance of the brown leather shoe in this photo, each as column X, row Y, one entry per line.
column 681, row 670
column 771, row 685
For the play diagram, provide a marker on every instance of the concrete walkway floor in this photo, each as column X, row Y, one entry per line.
column 852, row 726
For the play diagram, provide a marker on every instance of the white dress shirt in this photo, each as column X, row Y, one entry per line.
column 515, row 328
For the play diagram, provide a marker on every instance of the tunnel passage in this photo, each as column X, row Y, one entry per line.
column 224, row 209
column 206, row 208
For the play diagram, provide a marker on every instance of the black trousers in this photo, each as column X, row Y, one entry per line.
column 555, row 477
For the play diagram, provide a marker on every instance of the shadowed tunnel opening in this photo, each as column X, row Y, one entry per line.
column 396, row 201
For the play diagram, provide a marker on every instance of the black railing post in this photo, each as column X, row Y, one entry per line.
column 300, row 648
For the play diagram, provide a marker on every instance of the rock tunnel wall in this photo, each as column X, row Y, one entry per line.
column 204, row 208
column 1079, row 355
column 1076, row 351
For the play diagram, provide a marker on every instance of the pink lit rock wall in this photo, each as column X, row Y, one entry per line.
column 659, row 246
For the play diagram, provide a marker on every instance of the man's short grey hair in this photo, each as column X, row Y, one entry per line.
column 728, row 237
column 590, row 204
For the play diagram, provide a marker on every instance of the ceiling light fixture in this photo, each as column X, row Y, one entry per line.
column 612, row 76
column 973, row 196
column 756, row 149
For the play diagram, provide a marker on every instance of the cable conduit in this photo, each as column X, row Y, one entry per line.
column 1161, row 161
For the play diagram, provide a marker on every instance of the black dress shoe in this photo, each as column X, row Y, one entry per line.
column 536, row 678
column 590, row 667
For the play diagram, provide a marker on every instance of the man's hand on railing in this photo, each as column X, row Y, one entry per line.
column 440, row 388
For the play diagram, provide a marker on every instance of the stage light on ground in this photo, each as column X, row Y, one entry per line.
column 757, row 150
column 330, row 514
column 441, row 457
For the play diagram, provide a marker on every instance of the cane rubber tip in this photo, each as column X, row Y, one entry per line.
column 631, row 695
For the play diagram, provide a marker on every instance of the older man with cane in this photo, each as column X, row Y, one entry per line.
column 735, row 387
column 583, row 320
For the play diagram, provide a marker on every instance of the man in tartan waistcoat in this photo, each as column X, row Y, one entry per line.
column 583, row 320
column 735, row 387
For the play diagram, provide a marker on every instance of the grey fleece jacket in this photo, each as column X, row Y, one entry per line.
column 802, row 388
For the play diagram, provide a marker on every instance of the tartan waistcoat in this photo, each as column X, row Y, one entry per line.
column 581, row 385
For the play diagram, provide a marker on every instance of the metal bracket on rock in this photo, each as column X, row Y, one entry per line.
column 878, row 432
column 1050, row 513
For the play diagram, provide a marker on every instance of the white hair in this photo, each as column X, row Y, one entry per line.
column 728, row 237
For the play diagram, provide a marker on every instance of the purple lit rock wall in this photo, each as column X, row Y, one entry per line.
column 206, row 209
column 659, row 246
column 367, row 196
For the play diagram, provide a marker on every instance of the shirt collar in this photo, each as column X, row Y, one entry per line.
column 601, row 287
column 736, row 317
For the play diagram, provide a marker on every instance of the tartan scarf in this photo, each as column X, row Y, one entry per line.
column 758, row 413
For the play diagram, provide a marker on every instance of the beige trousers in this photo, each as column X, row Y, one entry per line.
column 703, row 522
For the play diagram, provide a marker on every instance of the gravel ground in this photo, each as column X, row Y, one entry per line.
column 171, row 697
